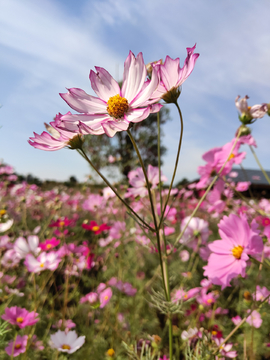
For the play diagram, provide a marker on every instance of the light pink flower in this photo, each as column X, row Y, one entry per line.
column 261, row 293
column 23, row 247
column 137, row 180
column 105, row 296
column 171, row 75
column 248, row 113
column 18, row 347
column 229, row 255
column 20, row 317
column 236, row 320
column 10, row 259
column 56, row 139
column 197, row 228
column 225, row 349
column 114, row 108
column 254, row 319
column 92, row 298
column 44, row 261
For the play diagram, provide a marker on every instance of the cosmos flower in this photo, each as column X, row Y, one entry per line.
column 20, row 317
column 114, row 109
column 248, row 113
column 67, row 342
column 18, row 347
column 172, row 76
column 93, row 226
column 230, row 254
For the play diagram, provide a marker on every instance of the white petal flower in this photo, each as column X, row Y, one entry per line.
column 68, row 343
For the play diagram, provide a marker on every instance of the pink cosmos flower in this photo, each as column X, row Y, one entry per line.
column 171, row 75
column 18, row 347
column 254, row 319
column 230, row 254
column 10, row 259
column 197, row 228
column 92, row 298
column 216, row 158
column 44, row 261
column 49, row 244
column 20, row 317
column 236, row 320
column 137, row 180
column 225, row 349
column 261, row 293
column 97, row 229
column 242, row 186
column 105, row 296
column 248, row 113
column 56, row 139
column 114, row 108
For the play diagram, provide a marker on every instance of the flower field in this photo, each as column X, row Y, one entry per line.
column 136, row 270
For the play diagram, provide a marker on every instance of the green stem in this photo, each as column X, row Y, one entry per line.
column 159, row 163
column 83, row 154
column 175, row 166
column 152, row 208
column 260, row 166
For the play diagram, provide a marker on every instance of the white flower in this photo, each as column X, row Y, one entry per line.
column 189, row 334
column 23, row 247
column 68, row 343
column 6, row 226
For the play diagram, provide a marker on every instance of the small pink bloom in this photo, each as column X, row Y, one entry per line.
column 236, row 320
column 49, row 244
column 225, row 349
column 92, row 298
column 20, row 317
column 105, row 296
column 18, row 347
column 254, row 319
column 242, row 186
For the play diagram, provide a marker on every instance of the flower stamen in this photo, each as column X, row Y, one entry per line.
column 117, row 106
column 237, row 251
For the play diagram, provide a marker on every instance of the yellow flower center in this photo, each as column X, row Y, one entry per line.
column 65, row 347
column 231, row 156
column 48, row 246
column 41, row 265
column 214, row 332
column 19, row 319
column 106, row 297
column 110, row 352
column 95, row 228
column 237, row 251
column 2, row 212
column 18, row 346
column 61, row 223
column 209, row 301
column 117, row 106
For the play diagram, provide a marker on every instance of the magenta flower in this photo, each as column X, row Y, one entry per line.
column 49, row 244
column 242, row 186
column 93, row 226
column 20, row 317
column 105, row 296
column 18, row 347
column 114, row 108
column 230, row 254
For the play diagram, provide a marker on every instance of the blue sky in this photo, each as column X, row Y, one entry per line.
column 49, row 45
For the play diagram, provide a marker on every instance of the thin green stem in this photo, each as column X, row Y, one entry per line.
column 152, row 208
column 206, row 192
column 83, row 154
column 159, row 162
column 260, row 165
column 175, row 166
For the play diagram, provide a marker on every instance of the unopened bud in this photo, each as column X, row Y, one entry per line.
column 243, row 130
